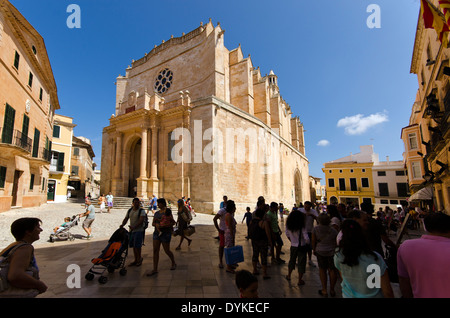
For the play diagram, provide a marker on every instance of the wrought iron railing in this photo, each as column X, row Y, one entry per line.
column 16, row 138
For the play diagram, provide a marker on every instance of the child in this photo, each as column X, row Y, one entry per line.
column 66, row 220
column 247, row 283
column 166, row 221
column 248, row 216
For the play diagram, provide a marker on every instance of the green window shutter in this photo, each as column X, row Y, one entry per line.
column 8, row 124
column 30, row 80
column 37, row 135
column 60, row 163
column 56, row 131
column 16, row 60
column 25, row 125
column 32, row 182
column 2, row 176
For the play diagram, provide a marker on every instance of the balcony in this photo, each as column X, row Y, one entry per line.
column 16, row 138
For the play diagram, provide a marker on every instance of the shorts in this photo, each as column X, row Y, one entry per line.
column 260, row 248
column 110, row 204
column 325, row 262
column 136, row 239
column 277, row 239
column 165, row 236
column 87, row 223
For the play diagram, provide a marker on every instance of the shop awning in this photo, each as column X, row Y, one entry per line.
column 423, row 194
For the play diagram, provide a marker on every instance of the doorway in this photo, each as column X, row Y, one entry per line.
column 15, row 189
column 51, row 190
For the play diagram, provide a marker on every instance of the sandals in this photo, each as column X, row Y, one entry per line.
column 152, row 273
column 322, row 294
column 138, row 263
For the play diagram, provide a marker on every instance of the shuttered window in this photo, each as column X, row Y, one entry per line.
column 8, row 124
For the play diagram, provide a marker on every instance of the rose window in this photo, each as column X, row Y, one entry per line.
column 163, row 81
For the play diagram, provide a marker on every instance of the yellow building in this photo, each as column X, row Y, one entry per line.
column 427, row 136
column 349, row 180
column 60, row 164
column 28, row 99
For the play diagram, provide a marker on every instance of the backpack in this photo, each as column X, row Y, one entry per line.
column 4, row 266
column 145, row 224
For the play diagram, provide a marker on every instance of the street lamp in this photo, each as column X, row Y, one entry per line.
column 428, row 177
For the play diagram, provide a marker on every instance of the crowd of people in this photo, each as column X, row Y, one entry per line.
column 346, row 241
column 348, row 244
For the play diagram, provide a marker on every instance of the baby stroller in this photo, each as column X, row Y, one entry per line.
column 63, row 233
column 112, row 257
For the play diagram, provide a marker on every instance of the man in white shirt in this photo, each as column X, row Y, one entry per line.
column 311, row 215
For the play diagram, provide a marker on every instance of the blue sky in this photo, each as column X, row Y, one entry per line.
column 333, row 70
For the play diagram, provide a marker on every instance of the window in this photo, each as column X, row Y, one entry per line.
column 16, row 60
column 381, row 173
column 57, row 161
column 37, row 135
column 402, row 189
column 2, row 176
column 416, row 170
column 384, row 189
column 75, row 170
column 8, row 124
column 24, row 137
column 76, row 151
column 384, row 201
column 412, row 141
column 400, row 173
column 365, row 182
column 331, row 183
column 163, row 81
column 353, row 185
column 30, row 80
column 363, row 170
column 342, row 184
column 31, row 181
column 393, row 201
column 41, row 91
column 56, row 131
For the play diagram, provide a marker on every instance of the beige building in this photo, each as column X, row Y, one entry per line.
column 82, row 168
column 195, row 119
column 427, row 136
column 28, row 99
column 61, row 158
column 71, row 166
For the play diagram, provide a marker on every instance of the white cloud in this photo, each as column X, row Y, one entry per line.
column 358, row 124
column 323, row 143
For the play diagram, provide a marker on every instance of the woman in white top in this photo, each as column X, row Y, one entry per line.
column 298, row 236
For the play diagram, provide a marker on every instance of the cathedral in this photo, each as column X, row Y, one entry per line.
column 195, row 119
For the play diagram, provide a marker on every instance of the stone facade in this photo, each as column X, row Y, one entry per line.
column 427, row 136
column 194, row 119
column 28, row 99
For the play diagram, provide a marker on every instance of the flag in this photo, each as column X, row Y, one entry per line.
column 433, row 19
column 445, row 6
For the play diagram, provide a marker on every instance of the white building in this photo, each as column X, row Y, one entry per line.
column 390, row 184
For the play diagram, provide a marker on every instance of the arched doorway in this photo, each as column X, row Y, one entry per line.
column 298, row 186
column 134, row 161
